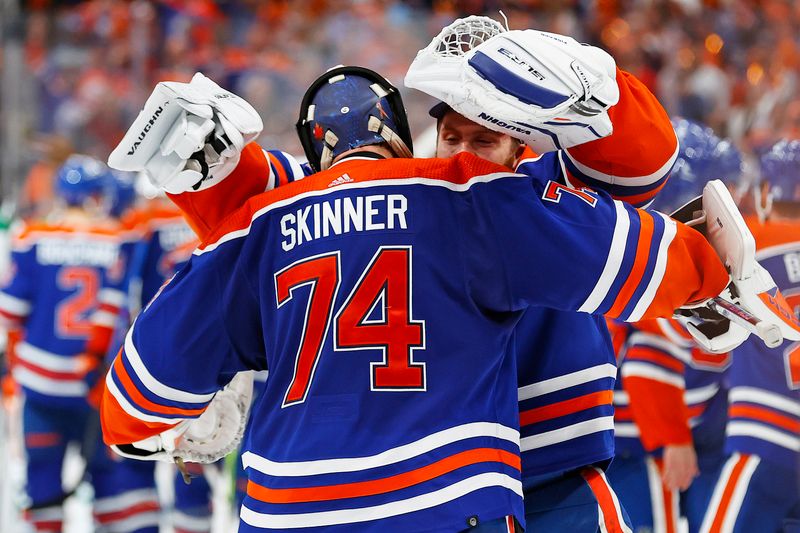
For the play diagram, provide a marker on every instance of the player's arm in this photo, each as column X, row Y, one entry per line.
column 17, row 292
column 205, row 316
column 638, row 264
column 257, row 171
column 653, row 377
column 605, row 128
column 633, row 163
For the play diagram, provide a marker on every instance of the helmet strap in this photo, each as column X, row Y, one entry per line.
column 398, row 147
column 329, row 143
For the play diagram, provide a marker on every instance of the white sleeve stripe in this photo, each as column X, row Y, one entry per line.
column 638, row 181
column 626, row 430
column 659, row 343
column 700, row 395
column 14, row 305
column 297, row 171
column 271, row 178
column 616, row 253
column 152, row 384
column 764, row 397
column 47, row 360
column 586, row 375
column 670, row 230
column 104, row 318
column 112, row 297
column 127, row 499
column 763, row 432
column 131, row 409
column 621, row 398
column 563, row 434
column 62, row 388
column 645, row 370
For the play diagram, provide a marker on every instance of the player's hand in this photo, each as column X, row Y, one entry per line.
column 752, row 302
column 680, row 466
column 546, row 89
column 188, row 136
column 212, row 436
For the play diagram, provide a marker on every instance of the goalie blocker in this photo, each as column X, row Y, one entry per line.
column 752, row 302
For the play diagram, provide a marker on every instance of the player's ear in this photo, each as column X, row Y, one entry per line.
column 520, row 149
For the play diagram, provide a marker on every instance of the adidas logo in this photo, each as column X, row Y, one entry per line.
column 344, row 178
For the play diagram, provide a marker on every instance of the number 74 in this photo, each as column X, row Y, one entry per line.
column 386, row 281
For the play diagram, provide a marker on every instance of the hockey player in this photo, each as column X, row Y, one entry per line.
column 65, row 290
column 757, row 489
column 373, row 130
column 565, row 360
column 671, row 394
column 145, row 399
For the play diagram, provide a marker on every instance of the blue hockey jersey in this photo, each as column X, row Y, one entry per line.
column 65, row 290
column 382, row 297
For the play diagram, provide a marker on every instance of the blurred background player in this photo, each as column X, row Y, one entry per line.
column 758, row 488
column 64, row 292
column 671, row 394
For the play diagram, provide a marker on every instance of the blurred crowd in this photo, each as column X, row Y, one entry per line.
column 731, row 64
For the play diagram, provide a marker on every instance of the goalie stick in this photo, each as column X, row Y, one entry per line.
column 769, row 333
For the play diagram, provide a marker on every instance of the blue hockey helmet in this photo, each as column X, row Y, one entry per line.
column 702, row 157
column 349, row 107
column 81, row 177
column 121, row 192
column 780, row 168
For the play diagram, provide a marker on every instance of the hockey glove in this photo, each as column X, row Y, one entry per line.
column 212, row 436
column 188, row 136
column 546, row 89
column 752, row 301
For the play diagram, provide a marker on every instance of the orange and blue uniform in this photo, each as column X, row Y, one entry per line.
column 411, row 264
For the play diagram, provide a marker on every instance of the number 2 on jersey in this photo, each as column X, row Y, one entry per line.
column 385, row 286
column 71, row 314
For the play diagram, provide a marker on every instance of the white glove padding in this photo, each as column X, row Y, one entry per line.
column 757, row 303
column 212, row 436
column 546, row 89
column 188, row 136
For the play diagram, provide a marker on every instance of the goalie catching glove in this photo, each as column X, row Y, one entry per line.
column 752, row 302
column 188, row 136
column 545, row 89
column 212, row 436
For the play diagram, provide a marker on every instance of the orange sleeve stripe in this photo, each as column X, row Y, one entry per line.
column 646, row 227
column 566, row 407
column 693, row 273
column 764, row 415
column 121, row 428
column 651, row 355
column 384, row 485
column 144, row 403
